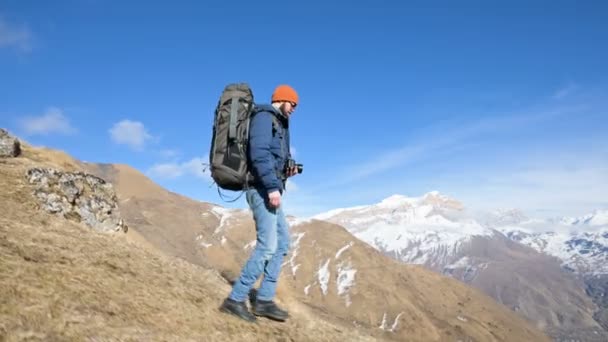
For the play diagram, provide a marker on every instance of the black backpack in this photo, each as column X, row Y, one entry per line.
column 228, row 155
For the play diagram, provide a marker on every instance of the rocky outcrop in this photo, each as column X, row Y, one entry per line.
column 78, row 196
column 9, row 146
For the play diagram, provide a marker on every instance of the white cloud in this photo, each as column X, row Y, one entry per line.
column 130, row 133
column 52, row 121
column 13, row 36
column 166, row 170
column 193, row 167
column 169, row 153
column 292, row 150
column 565, row 91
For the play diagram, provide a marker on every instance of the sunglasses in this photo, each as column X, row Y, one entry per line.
column 293, row 104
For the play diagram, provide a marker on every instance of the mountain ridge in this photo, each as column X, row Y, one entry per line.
column 436, row 231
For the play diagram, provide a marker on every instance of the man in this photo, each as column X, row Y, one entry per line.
column 268, row 156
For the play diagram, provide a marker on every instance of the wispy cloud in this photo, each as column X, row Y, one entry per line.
column 565, row 91
column 52, row 121
column 169, row 153
column 130, row 133
column 550, row 188
column 193, row 167
column 15, row 36
column 437, row 138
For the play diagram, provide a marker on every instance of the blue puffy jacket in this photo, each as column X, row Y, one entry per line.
column 268, row 148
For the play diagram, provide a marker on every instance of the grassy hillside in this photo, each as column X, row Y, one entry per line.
column 60, row 280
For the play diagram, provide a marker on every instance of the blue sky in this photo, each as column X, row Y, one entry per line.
column 494, row 104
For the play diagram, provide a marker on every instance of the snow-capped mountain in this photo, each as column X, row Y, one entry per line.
column 424, row 230
column 580, row 242
column 485, row 251
column 431, row 228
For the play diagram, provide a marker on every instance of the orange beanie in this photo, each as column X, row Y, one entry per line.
column 285, row 93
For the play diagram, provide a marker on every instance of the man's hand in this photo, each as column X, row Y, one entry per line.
column 275, row 198
column 292, row 171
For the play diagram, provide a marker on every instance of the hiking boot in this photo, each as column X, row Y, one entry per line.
column 238, row 309
column 269, row 309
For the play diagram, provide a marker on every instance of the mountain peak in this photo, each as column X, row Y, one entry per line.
column 434, row 198
column 597, row 219
column 396, row 200
column 504, row 217
column 600, row 218
column 437, row 199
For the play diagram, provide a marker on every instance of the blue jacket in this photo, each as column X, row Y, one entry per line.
column 268, row 148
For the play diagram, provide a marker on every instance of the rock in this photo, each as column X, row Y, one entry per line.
column 9, row 146
column 78, row 196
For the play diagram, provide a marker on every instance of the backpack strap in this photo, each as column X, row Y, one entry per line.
column 234, row 108
column 276, row 125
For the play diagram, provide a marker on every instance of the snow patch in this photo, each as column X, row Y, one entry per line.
column 223, row 214
column 343, row 249
column 201, row 242
column 338, row 211
column 250, row 245
column 294, row 269
column 460, row 263
column 346, row 280
column 394, row 326
column 397, row 201
column 295, row 221
column 323, row 276
column 600, row 218
column 307, row 289
column 294, row 253
column 384, row 325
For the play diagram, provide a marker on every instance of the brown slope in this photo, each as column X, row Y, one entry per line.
column 426, row 306
column 169, row 221
column 535, row 286
column 60, row 281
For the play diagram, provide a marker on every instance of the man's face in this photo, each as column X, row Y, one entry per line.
column 288, row 108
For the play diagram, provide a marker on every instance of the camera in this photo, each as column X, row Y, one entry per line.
column 291, row 164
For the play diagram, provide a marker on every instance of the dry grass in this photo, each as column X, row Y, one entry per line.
column 62, row 281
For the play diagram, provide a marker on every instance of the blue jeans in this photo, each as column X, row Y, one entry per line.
column 271, row 247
